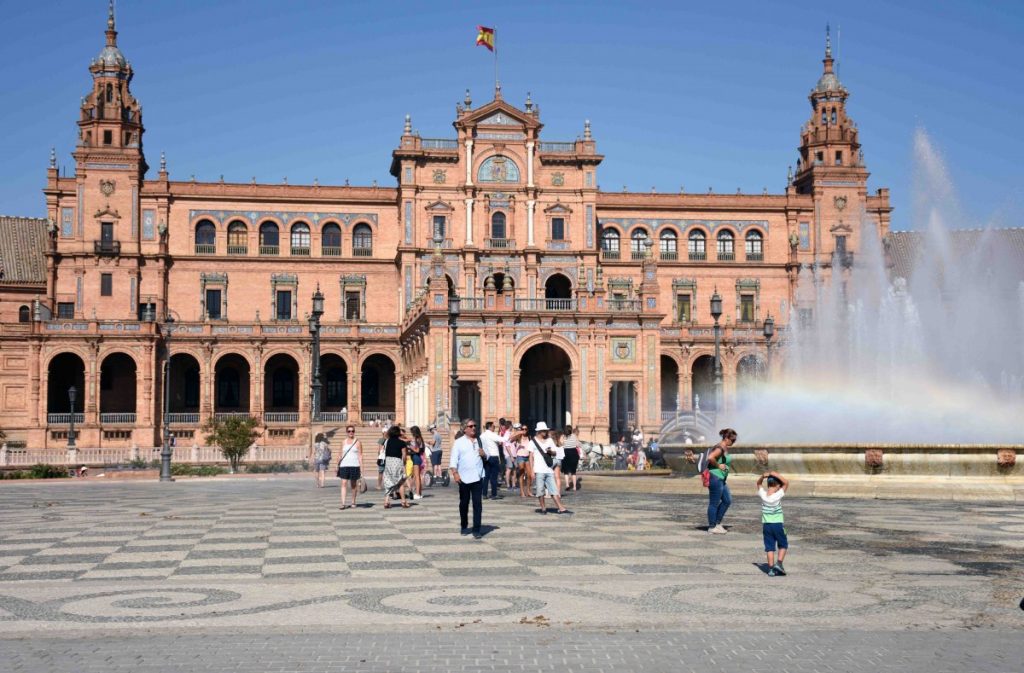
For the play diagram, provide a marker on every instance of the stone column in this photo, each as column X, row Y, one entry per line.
column 529, row 221
column 469, row 163
column 683, row 386
column 529, row 164
column 144, row 387
column 469, row 221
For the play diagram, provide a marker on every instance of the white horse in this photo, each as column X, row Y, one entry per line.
column 595, row 452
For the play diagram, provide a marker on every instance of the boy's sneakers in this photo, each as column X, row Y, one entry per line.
column 718, row 530
column 779, row 569
column 772, row 572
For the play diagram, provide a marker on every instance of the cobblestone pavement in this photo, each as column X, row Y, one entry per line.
column 219, row 575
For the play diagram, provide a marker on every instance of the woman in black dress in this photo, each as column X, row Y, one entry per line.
column 395, row 450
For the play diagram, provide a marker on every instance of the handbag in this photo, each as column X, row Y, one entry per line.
column 342, row 459
column 549, row 460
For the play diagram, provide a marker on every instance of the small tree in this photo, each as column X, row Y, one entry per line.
column 234, row 435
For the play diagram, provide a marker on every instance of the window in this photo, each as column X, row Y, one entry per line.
column 610, row 243
column 269, row 238
column 23, row 314
column 755, row 246
column 206, row 238
column 839, row 158
column 726, row 248
column 213, row 304
column 498, row 226
column 107, row 232
column 362, row 240
column 108, row 138
column 819, row 158
column 824, row 116
column 66, row 310
column 106, row 285
column 833, row 115
column 667, row 245
column 353, row 305
column 300, row 238
column 439, row 227
column 696, row 245
column 238, row 238
column 841, row 246
column 110, row 93
column 683, row 307
column 330, row 240
column 283, row 305
column 746, row 308
column 557, row 228
column 636, row 243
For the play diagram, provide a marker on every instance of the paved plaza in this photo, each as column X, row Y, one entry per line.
column 270, row 575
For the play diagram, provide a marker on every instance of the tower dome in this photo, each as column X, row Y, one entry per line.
column 111, row 56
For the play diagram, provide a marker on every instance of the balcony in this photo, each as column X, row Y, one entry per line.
column 755, row 256
column 278, row 417
column 331, row 251
column 610, row 254
column 669, row 255
column 472, row 303
column 698, row 256
column 107, row 247
column 637, row 255
column 206, row 249
column 334, row 416
column 624, row 305
column 379, row 417
column 238, row 250
column 270, row 250
column 500, row 243
column 224, row 415
column 439, row 144
column 545, row 304
column 362, row 252
column 558, row 148
column 726, row 256
column 300, row 251
column 117, row 419
column 63, row 419
column 185, row 418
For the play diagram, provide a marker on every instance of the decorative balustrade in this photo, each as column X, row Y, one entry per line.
column 755, row 256
column 472, row 303
column 224, row 415
column 667, row 415
column 377, row 416
column 63, row 419
column 637, row 255
column 624, row 305
column 238, row 250
column 557, row 148
column 610, row 254
column 331, row 251
column 669, row 255
column 446, row 243
column 726, row 256
column 280, row 417
column 334, row 416
column 439, row 144
column 107, row 247
column 362, row 252
column 545, row 304
column 270, row 250
column 206, row 249
column 698, row 256
column 300, row 251
column 182, row 418
column 500, row 243
column 117, row 419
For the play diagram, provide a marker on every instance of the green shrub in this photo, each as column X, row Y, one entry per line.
column 186, row 470
column 44, row 471
column 274, row 468
column 234, row 435
column 139, row 463
column 14, row 474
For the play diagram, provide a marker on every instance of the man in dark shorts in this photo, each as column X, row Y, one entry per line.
column 435, row 450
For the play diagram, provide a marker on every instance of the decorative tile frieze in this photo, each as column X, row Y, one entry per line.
column 283, row 216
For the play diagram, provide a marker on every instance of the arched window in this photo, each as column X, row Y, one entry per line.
column 726, row 249
column 636, row 243
column 824, row 116
column 238, row 238
column 330, row 240
column 498, row 226
column 667, row 246
column 110, row 93
column 833, row 115
column 206, row 238
column 23, row 314
column 696, row 245
column 270, row 239
column 300, row 238
column 610, row 244
column 755, row 246
column 498, row 169
column 362, row 240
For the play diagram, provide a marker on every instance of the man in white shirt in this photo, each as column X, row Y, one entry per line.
column 544, row 474
column 491, row 442
column 467, row 469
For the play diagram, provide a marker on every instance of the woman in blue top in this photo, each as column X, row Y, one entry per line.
column 719, row 464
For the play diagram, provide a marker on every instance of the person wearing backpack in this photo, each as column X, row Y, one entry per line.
column 542, row 459
column 719, row 464
column 321, row 460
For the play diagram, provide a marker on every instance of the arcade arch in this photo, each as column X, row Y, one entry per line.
column 545, row 386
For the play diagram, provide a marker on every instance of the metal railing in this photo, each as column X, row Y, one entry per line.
column 637, row 255
column 63, row 419
column 362, row 252
column 377, row 416
column 224, row 415
column 755, row 256
column 107, row 247
column 280, row 417
column 270, row 250
column 624, row 305
column 670, row 255
column 334, row 416
column 558, row 147
column 607, row 253
column 439, row 144
column 183, row 418
column 300, row 251
column 545, row 304
column 238, row 250
column 206, row 249
column 726, row 256
column 331, row 251
column 117, row 418
column 696, row 256
column 500, row 243
column 667, row 415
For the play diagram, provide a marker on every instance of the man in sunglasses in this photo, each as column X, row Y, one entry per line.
column 467, row 468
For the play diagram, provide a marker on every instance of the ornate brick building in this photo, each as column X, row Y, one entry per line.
column 576, row 303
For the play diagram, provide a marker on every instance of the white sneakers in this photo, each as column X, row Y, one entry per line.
column 717, row 530
column 417, row 496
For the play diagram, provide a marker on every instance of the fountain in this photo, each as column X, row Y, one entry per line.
column 917, row 373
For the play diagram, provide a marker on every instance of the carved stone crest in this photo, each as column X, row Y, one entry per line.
column 107, row 187
column 440, row 176
column 466, row 348
column 558, row 179
column 840, row 202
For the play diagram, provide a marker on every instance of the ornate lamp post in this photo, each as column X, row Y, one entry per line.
column 72, row 394
column 165, row 449
column 314, row 331
column 769, row 332
column 454, row 307
column 716, row 313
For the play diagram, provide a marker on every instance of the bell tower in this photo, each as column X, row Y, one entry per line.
column 110, row 121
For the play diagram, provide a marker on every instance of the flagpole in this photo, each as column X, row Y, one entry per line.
column 496, row 80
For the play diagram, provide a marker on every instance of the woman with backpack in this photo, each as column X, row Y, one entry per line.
column 719, row 463
column 321, row 460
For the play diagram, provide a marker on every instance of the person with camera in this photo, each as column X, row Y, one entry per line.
column 467, row 468
column 542, row 459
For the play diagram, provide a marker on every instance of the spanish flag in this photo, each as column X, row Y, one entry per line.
column 485, row 37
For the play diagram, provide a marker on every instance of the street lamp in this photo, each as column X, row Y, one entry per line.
column 454, row 306
column 72, row 393
column 165, row 448
column 769, row 332
column 314, row 331
column 716, row 313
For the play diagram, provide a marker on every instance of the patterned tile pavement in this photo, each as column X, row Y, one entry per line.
column 178, row 565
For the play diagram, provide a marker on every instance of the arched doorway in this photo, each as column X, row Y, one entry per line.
column 65, row 370
column 622, row 407
column 117, row 389
column 669, row 387
column 334, row 376
column 231, row 384
column 377, row 388
column 184, row 384
column 750, row 373
column 281, row 384
column 558, row 293
column 545, row 386
column 703, row 378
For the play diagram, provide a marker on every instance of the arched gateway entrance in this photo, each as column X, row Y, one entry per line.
column 545, row 386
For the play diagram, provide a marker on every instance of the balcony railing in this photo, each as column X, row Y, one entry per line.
column 610, row 254
column 270, row 250
column 238, row 250
column 669, row 255
column 545, row 304
column 280, row 417
column 446, row 243
column 182, row 418
column 117, row 419
column 334, row 416
column 698, row 256
column 624, row 305
column 558, row 147
column 206, row 249
column 439, row 144
column 300, row 251
column 362, row 252
column 501, row 243
column 472, row 303
column 637, row 255
column 726, row 256
column 331, row 251
column 107, row 247
column 63, row 419
column 755, row 256
column 377, row 416
column 224, row 415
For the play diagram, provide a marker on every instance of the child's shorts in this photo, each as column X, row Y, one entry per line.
column 774, row 533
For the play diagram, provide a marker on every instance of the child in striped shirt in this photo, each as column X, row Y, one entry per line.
column 772, row 526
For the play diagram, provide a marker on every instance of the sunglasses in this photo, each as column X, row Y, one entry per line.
column 470, row 426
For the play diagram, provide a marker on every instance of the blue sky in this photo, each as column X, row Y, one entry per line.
column 680, row 94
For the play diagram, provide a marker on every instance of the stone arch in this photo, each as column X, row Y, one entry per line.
column 702, row 378
column 185, row 373
column 63, row 370
column 545, row 384
column 281, row 382
column 334, row 377
column 557, row 288
column 231, row 372
column 669, row 371
column 377, row 389
column 24, row 314
column 118, row 378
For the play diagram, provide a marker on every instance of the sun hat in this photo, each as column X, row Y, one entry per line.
column 517, row 426
column 541, row 427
